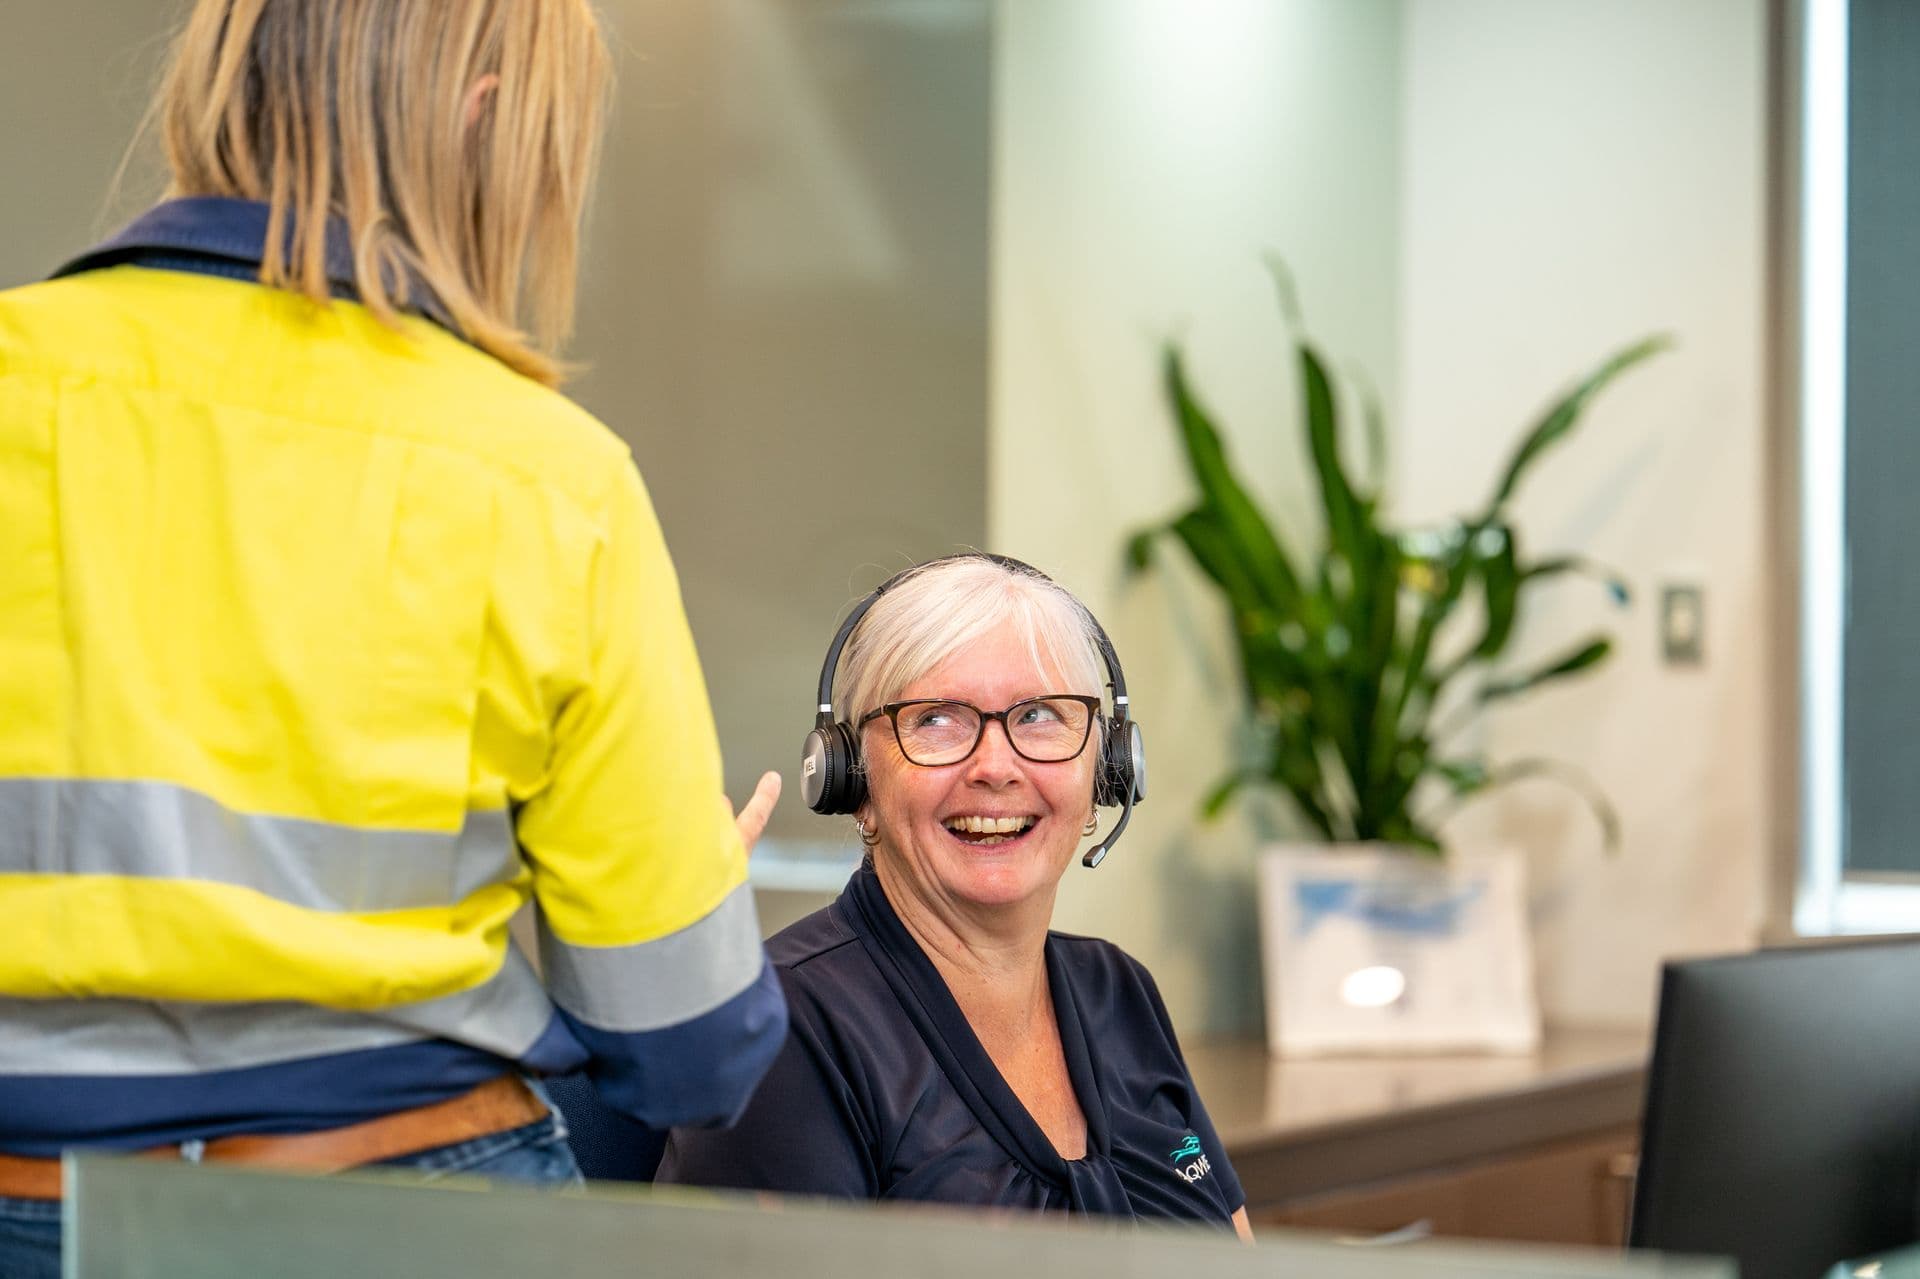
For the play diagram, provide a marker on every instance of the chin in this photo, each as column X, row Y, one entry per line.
column 1001, row 878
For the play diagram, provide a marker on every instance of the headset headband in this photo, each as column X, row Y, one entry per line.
column 823, row 715
column 829, row 761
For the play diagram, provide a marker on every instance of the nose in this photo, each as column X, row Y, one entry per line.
column 994, row 761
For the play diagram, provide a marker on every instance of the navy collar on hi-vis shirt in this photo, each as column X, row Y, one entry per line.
column 884, row 1091
column 218, row 235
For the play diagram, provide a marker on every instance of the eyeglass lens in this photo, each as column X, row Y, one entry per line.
column 1044, row 729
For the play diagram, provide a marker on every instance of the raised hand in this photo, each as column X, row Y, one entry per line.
column 752, row 819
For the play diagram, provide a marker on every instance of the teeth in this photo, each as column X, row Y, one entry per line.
column 989, row 825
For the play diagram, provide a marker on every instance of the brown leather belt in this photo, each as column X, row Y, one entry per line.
column 495, row 1106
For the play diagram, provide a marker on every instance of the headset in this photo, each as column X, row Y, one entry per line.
column 833, row 780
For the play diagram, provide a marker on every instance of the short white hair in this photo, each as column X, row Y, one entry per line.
column 940, row 608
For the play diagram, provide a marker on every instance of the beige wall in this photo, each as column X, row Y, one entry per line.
column 1577, row 175
column 74, row 83
column 1481, row 197
column 1144, row 160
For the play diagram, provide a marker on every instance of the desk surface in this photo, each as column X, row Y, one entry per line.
column 1298, row 1126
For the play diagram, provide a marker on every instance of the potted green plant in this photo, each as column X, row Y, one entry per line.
column 1363, row 662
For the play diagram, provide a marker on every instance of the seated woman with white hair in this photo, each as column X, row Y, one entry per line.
column 945, row 1045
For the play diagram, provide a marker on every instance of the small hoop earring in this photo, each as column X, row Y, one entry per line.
column 1093, row 824
column 869, row 836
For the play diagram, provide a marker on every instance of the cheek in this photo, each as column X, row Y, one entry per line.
column 898, row 791
column 1074, row 790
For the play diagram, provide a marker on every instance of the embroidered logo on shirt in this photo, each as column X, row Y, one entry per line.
column 1189, row 1150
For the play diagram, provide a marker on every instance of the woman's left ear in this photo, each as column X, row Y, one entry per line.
column 477, row 94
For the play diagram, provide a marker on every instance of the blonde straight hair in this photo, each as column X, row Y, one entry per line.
column 358, row 110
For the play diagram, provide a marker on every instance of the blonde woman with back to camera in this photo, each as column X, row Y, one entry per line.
column 945, row 1045
column 331, row 634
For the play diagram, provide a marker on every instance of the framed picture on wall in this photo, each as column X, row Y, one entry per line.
column 1369, row 949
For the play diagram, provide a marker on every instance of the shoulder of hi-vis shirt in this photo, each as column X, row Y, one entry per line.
column 323, row 646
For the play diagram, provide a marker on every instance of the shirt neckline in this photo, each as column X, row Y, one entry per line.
column 227, row 236
column 924, row 995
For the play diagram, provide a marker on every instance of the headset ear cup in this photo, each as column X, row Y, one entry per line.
column 1136, row 762
column 1105, row 793
column 830, row 777
column 1121, row 769
column 853, row 778
column 816, row 770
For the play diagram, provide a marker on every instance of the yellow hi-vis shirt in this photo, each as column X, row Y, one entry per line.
column 323, row 649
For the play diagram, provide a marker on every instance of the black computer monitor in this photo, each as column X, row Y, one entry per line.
column 1783, row 1109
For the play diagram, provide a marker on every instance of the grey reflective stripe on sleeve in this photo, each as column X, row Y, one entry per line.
column 152, row 830
column 160, row 1037
column 661, row 982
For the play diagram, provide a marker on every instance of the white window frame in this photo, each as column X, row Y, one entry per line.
column 1812, row 205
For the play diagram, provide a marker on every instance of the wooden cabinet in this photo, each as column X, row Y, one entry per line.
column 1537, row 1148
column 1574, row 1192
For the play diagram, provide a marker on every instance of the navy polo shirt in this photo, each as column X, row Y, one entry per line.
column 883, row 1091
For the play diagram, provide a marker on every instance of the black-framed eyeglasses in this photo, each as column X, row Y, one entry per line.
column 936, row 731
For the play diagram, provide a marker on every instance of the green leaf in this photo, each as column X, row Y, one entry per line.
column 1273, row 669
column 1617, row 588
column 1323, row 443
column 1406, row 832
column 1140, row 548
column 1246, row 534
column 1558, row 422
column 1464, row 776
column 1411, row 762
column 1503, row 581
column 1499, row 570
column 1492, row 560
column 1580, row 783
column 1581, row 658
column 1375, row 419
column 1574, row 779
column 1213, row 550
column 1295, row 767
column 1451, row 565
column 1381, row 573
column 1286, row 291
column 1222, row 794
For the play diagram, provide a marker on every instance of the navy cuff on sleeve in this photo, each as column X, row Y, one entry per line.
column 698, row 1072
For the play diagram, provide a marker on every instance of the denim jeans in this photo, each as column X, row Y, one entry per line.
column 29, row 1239
column 537, row 1155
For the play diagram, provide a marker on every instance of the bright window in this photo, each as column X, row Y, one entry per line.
column 1858, row 261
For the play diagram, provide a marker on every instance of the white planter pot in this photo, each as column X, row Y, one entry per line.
column 1367, row 948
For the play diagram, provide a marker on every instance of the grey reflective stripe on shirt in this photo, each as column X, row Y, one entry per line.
column 504, row 1015
column 661, row 982
column 152, row 830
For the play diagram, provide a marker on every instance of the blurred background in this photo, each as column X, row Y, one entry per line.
column 872, row 280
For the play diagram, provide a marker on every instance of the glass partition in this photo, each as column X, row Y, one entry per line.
column 1902, row 1263
column 783, row 310
column 130, row 1218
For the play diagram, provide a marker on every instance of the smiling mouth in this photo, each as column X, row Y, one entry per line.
column 988, row 832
